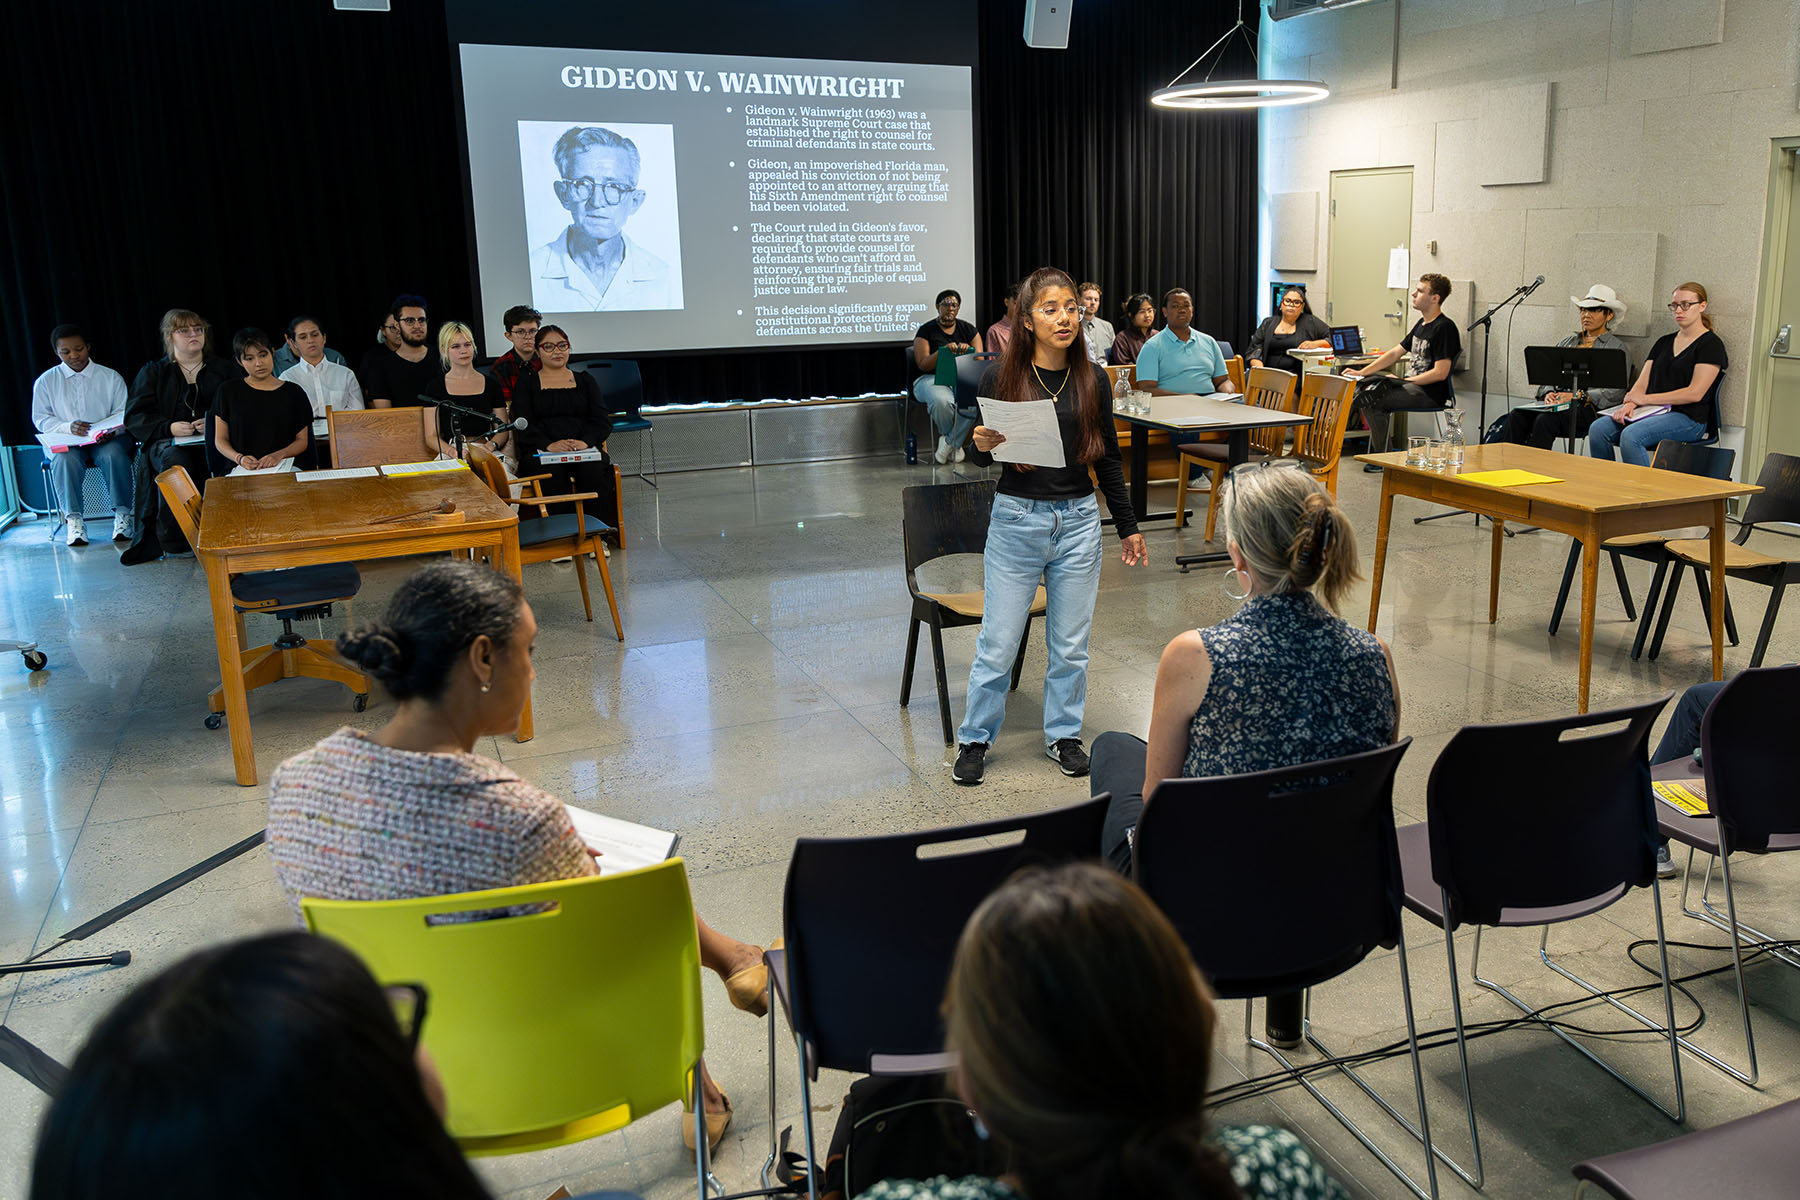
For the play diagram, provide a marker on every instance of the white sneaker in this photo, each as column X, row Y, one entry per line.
column 943, row 451
column 76, row 533
column 959, row 455
column 122, row 527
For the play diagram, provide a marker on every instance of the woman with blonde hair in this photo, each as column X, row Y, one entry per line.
column 1284, row 680
column 464, row 386
column 1083, row 1033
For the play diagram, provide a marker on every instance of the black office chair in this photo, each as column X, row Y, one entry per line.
column 622, row 389
column 1311, row 850
column 1779, row 501
column 939, row 519
column 1752, row 1158
column 1750, row 759
column 1572, row 836
column 871, row 926
column 1692, row 458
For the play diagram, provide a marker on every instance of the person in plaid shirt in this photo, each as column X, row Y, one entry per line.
column 522, row 323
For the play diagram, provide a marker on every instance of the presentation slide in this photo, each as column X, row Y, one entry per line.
column 648, row 201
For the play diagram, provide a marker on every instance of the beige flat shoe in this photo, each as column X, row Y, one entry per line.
column 749, row 988
column 716, row 1124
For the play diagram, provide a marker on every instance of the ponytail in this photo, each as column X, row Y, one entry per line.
column 1323, row 552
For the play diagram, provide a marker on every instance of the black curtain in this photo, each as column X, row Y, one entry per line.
column 255, row 161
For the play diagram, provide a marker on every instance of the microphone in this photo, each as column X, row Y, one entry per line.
column 490, row 418
column 1534, row 285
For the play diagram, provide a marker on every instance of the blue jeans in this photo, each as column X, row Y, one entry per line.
column 1636, row 440
column 951, row 425
column 1057, row 541
column 112, row 457
column 1682, row 737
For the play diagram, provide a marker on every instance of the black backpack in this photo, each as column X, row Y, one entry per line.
column 901, row 1127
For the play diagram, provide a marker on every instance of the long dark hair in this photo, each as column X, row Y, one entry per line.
column 1016, row 382
column 1084, row 1033
column 272, row 1067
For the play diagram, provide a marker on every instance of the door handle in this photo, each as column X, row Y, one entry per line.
column 1780, row 348
column 1393, row 316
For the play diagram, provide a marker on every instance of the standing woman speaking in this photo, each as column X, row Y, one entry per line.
column 1045, row 526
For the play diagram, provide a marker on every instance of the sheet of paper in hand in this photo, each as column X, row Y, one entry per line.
column 1029, row 426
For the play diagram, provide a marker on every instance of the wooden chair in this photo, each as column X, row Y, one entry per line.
column 1234, row 367
column 287, row 594
column 560, row 535
column 1327, row 399
column 1268, row 388
column 371, row 437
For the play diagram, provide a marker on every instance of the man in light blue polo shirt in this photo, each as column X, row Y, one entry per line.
column 1179, row 360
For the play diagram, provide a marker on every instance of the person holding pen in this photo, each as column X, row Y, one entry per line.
column 1045, row 526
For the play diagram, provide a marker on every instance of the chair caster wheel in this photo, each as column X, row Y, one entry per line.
column 214, row 720
column 37, row 660
column 361, row 702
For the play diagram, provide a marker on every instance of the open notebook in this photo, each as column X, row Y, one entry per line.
column 623, row 845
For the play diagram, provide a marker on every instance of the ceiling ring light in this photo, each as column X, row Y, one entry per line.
column 1213, row 95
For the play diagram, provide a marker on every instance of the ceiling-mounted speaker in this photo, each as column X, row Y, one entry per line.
column 1047, row 24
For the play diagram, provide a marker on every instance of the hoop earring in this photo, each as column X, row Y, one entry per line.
column 1226, row 582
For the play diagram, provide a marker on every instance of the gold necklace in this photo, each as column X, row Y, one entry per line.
column 1046, row 387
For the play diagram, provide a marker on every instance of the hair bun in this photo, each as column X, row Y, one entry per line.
column 378, row 651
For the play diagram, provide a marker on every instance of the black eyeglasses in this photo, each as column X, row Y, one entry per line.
column 1679, row 306
column 412, row 320
column 582, row 190
column 408, row 1002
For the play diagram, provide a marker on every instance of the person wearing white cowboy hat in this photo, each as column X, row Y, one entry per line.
column 1535, row 427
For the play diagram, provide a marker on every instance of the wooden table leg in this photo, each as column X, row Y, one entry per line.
column 1590, row 584
column 1718, row 589
column 511, row 563
column 1494, row 570
column 1381, row 541
column 226, row 627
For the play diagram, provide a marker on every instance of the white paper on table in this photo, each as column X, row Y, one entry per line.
column 336, row 473
column 1029, row 426
column 1399, row 268
column 96, row 431
column 428, row 467
column 286, row 464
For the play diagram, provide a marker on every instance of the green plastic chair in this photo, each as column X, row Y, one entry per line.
column 547, row 1026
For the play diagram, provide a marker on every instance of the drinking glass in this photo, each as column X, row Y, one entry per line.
column 1415, row 450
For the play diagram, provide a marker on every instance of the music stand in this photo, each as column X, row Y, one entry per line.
column 1575, row 370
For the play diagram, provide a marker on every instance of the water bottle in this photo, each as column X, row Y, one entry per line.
column 912, row 448
column 1122, row 395
column 1454, row 444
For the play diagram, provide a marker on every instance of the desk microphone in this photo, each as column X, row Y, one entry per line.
column 515, row 423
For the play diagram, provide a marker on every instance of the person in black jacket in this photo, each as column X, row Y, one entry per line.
column 166, row 415
column 564, row 412
column 1291, row 328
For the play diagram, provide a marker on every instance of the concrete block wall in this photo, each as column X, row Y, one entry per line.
column 1657, row 164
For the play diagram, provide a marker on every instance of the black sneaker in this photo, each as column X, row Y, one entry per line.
column 969, row 760
column 1068, row 754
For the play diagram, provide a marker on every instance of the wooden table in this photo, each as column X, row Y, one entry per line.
column 1197, row 414
column 261, row 522
column 1598, row 499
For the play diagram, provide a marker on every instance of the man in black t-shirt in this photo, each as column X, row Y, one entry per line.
column 1430, row 347
column 397, row 378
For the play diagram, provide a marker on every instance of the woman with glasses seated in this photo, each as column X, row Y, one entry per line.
column 564, row 413
column 274, row 1067
column 1140, row 323
column 1524, row 427
column 1083, row 1034
column 1282, row 681
column 944, row 335
column 1676, row 395
column 166, row 416
column 1045, row 526
column 412, row 810
column 1291, row 327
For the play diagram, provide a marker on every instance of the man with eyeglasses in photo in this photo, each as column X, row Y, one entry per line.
column 400, row 377
column 593, row 266
column 521, row 321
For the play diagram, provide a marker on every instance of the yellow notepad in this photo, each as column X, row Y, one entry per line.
column 1507, row 478
column 1690, row 798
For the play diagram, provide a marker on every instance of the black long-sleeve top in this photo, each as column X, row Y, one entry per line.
column 1069, row 481
column 557, row 413
column 161, row 395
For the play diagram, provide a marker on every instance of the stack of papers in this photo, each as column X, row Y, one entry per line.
column 1512, row 477
column 337, row 473
column 623, row 845
column 58, row 442
column 286, row 464
column 425, row 468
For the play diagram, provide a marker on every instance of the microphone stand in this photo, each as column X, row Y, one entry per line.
column 1486, row 319
column 494, row 424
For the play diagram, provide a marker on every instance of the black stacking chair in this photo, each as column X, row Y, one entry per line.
column 1750, row 759
column 969, row 370
column 939, row 519
column 1563, row 837
column 871, row 926
column 1311, row 848
column 1752, row 1158
column 1688, row 457
column 1779, row 500
column 622, row 391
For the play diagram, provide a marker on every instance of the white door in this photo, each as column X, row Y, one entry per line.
column 1775, row 425
column 1371, row 213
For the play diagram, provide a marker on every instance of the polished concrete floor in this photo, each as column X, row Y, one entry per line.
column 753, row 701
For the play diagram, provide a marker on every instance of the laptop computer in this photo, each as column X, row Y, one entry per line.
column 1346, row 340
